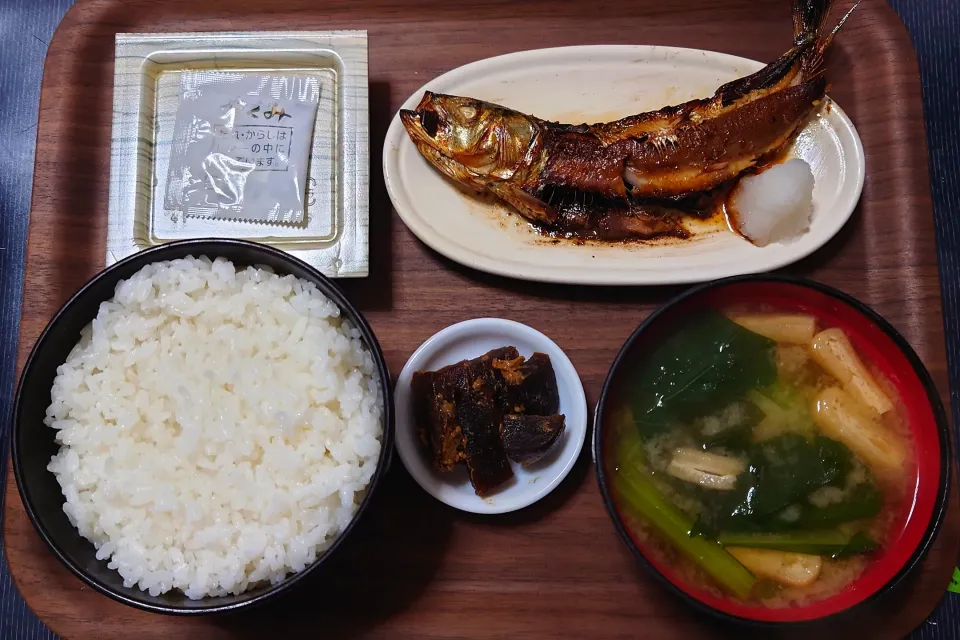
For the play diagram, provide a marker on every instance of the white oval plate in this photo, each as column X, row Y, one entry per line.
column 467, row 340
column 596, row 84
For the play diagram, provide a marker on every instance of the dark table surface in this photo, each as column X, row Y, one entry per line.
column 26, row 27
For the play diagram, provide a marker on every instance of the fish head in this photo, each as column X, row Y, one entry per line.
column 487, row 140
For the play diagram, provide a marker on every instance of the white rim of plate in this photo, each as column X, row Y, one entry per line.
column 467, row 500
column 396, row 138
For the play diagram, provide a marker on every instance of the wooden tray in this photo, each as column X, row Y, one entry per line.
column 417, row 569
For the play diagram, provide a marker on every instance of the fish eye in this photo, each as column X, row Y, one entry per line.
column 469, row 112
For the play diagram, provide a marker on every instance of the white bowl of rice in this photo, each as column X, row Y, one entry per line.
column 201, row 425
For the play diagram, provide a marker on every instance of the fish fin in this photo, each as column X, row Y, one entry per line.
column 806, row 55
column 808, row 19
column 825, row 42
column 776, row 73
column 529, row 206
column 663, row 140
column 451, row 168
column 644, row 125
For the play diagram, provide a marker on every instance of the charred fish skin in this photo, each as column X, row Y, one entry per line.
column 699, row 157
column 614, row 170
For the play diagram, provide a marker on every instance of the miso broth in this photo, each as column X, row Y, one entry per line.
column 759, row 455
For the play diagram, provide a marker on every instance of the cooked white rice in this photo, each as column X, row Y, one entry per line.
column 218, row 427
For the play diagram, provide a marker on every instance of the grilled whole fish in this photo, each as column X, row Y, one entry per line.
column 636, row 177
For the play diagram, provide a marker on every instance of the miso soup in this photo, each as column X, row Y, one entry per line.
column 758, row 455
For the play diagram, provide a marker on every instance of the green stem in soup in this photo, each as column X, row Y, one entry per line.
column 831, row 543
column 638, row 492
column 707, row 365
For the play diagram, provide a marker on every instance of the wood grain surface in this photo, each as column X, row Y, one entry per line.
column 415, row 568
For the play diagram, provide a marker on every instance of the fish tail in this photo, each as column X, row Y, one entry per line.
column 809, row 17
column 825, row 42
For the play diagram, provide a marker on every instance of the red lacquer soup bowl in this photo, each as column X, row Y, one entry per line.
column 919, row 513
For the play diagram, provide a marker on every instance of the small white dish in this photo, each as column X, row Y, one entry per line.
column 467, row 340
column 599, row 83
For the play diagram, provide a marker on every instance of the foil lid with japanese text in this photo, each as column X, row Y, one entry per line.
column 241, row 147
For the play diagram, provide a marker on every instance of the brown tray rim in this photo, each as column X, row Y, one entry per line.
column 72, row 20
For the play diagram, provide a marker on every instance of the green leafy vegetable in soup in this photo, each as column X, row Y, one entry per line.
column 720, row 451
column 700, row 369
column 784, row 470
column 775, row 492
